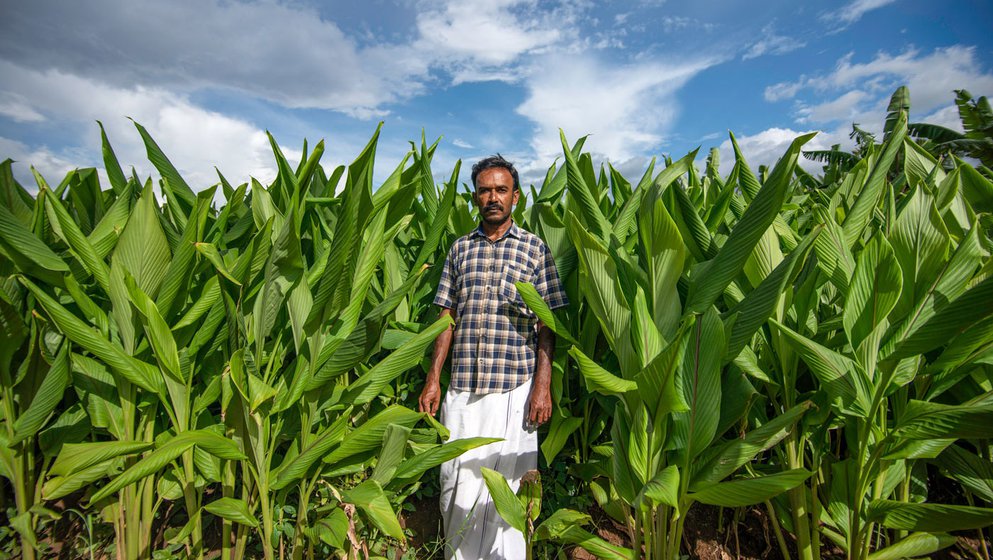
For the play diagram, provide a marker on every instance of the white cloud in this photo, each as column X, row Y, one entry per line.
column 195, row 139
column 460, row 143
column 860, row 89
column 285, row 53
column 487, row 32
column 846, row 107
column 771, row 43
column 853, row 11
column 50, row 165
column 15, row 107
column 768, row 146
column 627, row 109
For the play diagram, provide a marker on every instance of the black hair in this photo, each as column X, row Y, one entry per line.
column 495, row 162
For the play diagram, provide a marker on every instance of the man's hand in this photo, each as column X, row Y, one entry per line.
column 539, row 405
column 430, row 398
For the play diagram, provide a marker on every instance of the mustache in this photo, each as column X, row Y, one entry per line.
column 493, row 206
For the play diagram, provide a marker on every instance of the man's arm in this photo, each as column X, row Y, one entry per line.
column 540, row 404
column 431, row 394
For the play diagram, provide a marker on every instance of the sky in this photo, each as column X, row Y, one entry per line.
column 643, row 79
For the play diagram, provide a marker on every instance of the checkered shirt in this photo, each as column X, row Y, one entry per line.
column 495, row 332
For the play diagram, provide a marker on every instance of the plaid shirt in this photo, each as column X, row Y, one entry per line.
column 495, row 332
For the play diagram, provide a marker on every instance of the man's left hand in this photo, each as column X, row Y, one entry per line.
column 539, row 405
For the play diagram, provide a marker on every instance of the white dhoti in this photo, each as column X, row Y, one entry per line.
column 473, row 528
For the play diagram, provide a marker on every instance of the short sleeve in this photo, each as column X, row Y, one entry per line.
column 548, row 284
column 445, row 296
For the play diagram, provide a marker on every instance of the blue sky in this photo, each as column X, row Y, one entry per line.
column 209, row 77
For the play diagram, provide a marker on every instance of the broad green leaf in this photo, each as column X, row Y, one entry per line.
column 370, row 499
column 664, row 488
column 506, row 503
column 924, row 420
column 920, row 242
column 169, row 173
column 720, row 461
column 60, row 486
column 76, row 457
column 709, row 282
column 297, row 467
column 366, row 387
column 874, row 290
column 834, row 257
column 535, row 302
column 165, row 454
column 46, row 398
column 136, row 371
column 917, row 544
column 748, row 491
column 699, row 378
column 232, row 509
column 969, row 469
column 597, row 378
column 583, row 193
column 369, row 436
column 413, row 467
column 861, row 212
column 928, row 517
column 840, row 376
column 559, row 522
column 761, row 303
column 955, row 318
column 29, row 253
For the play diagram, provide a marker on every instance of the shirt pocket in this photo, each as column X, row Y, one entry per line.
column 512, row 273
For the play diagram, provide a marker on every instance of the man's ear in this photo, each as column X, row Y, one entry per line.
column 517, row 195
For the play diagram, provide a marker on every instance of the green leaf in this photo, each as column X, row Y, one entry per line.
column 297, row 467
column 367, row 386
column 136, row 371
column 369, row 436
column 917, row 544
column 370, row 499
column 699, row 378
column 506, row 503
column 874, row 290
column 559, row 522
column 839, row 375
column 75, row 457
column 584, row 194
column 761, row 303
column 928, row 517
column 29, row 253
column 664, row 488
column 535, row 302
column 232, row 509
column 413, row 467
column 596, row 546
column 720, row 461
column 970, row 470
column 709, row 282
column 924, row 420
column 168, row 452
column 599, row 379
column 46, row 398
column 176, row 183
column 951, row 320
column 861, row 212
column 748, row 491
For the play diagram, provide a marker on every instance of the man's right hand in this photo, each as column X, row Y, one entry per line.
column 430, row 398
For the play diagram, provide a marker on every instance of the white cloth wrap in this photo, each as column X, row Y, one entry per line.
column 473, row 528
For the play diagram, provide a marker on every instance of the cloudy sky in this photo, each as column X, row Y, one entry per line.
column 207, row 78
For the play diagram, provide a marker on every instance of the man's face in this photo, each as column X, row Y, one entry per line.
column 495, row 195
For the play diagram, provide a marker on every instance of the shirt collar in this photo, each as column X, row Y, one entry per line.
column 512, row 231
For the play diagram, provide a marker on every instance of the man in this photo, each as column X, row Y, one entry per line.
column 501, row 365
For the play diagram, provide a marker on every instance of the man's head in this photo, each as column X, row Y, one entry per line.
column 497, row 188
